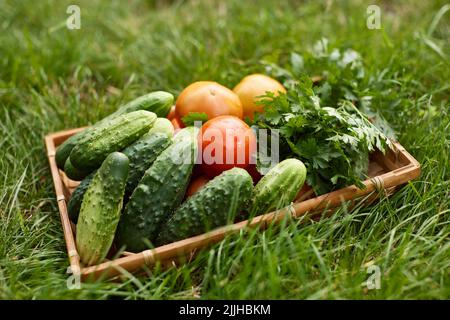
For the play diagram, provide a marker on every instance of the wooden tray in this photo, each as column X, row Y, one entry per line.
column 387, row 172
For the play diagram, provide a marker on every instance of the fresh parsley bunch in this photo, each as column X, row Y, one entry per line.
column 334, row 143
column 339, row 74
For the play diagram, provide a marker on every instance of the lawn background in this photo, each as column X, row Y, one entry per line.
column 52, row 78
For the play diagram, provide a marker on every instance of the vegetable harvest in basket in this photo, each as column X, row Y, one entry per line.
column 148, row 180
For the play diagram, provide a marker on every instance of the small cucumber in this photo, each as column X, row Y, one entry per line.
column 162, row 125
column 140, row 154
column 215, row 205
column 159, row 192
column 74, row 173
column 63, row 151
column 74, row 204
column 143, row 152
column 278, row 188
column 115, row 135
column 100, row 209
column 158, row 102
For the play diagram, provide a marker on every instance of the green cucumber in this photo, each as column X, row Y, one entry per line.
column 215, row 205
column 74, row 173
column 74, row 204
column 115, row 135
column 63, row 151
column 100, row 209
column 278, row 188
column 158, row 102
column 158, row 193
column 140, row 155
column 143, row 152
column 162, row 125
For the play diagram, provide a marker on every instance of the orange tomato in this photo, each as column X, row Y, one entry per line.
column 171, row 114
column 196, row 184
column 225, row 142
column 177, row 124
column 253, row 86
column 208, row 97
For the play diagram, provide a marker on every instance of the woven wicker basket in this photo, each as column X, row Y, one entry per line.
column 386, row 171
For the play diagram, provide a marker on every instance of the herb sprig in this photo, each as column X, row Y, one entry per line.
column 334, row 143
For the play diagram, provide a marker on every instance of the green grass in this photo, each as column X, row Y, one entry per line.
column 52, row 78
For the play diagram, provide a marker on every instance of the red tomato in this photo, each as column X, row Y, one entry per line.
column 197, row 172
column 256, row 176
column 226, row 142
column 196, row 184
column 208, row 97
column 177, row 124
column 171, row 114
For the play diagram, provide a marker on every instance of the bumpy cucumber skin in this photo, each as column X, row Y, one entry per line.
column 143, row 152
column 158, row 193
column 162, row 125
column 120, row 132
column 278, row 187
column 63, row 151
column 100, row 209
column 215, row 205
column 158, row 102
column 187, row 132
column 74, row 204
column 74, row 173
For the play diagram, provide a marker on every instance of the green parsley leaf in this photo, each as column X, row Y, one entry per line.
column 190, row 118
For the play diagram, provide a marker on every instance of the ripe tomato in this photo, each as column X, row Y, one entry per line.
column 196, row 184
column 226, row 142
column 256, row 176
column 177, row 124
column 171, row 114
column 208, row 97
column 253, row 86
column 197, row 172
